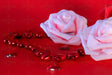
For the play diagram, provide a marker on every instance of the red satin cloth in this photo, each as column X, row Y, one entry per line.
column 23, row 15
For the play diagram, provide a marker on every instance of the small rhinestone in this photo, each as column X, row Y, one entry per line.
column 11, row 55
column 9, row 42
column 33, row 49
column 63, row 57
column 17, row 36
column 28, row 35
column 20, row 45
column 14, row 44
column 57, row 58
column 53, row 67
column 5, row 41
column 45, row 55
column 81, row 52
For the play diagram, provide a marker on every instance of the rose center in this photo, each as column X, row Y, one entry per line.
column 66, row 18
column 107, row 31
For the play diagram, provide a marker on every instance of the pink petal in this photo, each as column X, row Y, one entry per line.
column 102, row 56
column 107, row 51
column 84, row 36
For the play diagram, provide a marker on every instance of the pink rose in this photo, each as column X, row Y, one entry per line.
column 97, row 40
column 64, row 27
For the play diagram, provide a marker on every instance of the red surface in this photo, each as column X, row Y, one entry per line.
column 108, row 11
column 23, row 15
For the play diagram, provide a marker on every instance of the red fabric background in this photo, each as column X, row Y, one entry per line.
column 23, row 15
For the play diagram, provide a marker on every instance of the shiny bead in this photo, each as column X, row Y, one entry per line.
column 63, row 57
column 41, row 52
column 20, row 45
column 17, row 36
column 38, row 53
column 9, row 42
column 46, row 55
column 8, row 55
column 37, row 50
column 11, row 55
column 81, row 52
column 39, row 35
column 53, row 67
column 14, row 44
column 5, row 41
column 26, row 46
column 28, row 35
column 47, row 58
column 30, row 47
column 36, row 35
column 75, row 56
column 33, row 49
column 57, row 58
column 68, row 56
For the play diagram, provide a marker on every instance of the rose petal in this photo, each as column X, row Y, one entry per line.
column 80, row 23
column 107, row 51
column 105, row 39
column 84, row 35
column 70, row 42
column 102, row 56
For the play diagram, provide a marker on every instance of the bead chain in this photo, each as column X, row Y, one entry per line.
column 40, row 52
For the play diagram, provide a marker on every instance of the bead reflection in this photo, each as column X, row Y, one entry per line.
column 53, row 67
column 10, row 55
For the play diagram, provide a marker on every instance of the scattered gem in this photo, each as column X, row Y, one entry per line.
column 11, row 55
column 53, row 67
column 68, row 56
column 63, row 57
column 20, row 45
column 14, row 44
column 30, row 47
column 38, row 53
column 39, row 35
column 9, row 42
column 75, row 56
column 46, row 55
column 28, row 35
column 46, row 58
column 33, row 49
column 81, row 52
column 57, row 58
column 5, row 41
column 17, row 36
column 26, row 46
